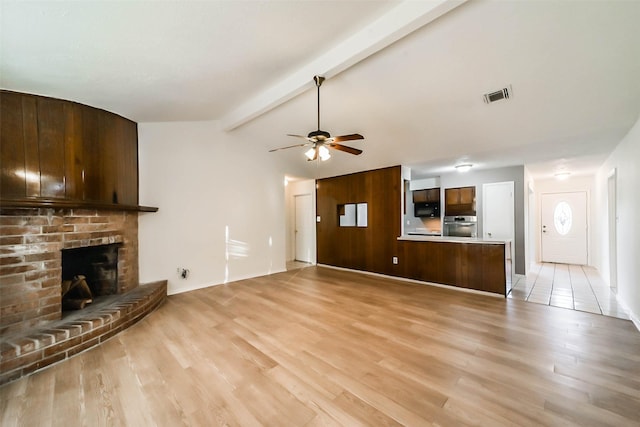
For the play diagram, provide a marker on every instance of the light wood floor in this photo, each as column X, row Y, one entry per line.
column 317, row 346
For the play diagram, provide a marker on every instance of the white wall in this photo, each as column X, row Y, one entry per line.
column 626, row 160
column 572, row 184
column 205, row 182
column 293, row 189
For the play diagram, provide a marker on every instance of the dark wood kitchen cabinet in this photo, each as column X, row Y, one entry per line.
column 61, row 153
column 460, row 201
column 430, row 195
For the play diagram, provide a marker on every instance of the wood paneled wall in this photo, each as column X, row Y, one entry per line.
column 368, row 248
column 62, row 150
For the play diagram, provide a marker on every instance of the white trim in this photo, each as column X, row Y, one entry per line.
column 632, row 316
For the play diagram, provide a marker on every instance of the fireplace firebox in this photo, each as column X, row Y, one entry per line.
column 99, row 265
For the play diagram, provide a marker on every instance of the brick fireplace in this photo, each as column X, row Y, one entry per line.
column 31, row 244
column 34, row 332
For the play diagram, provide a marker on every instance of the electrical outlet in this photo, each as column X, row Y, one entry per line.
column 395, row 259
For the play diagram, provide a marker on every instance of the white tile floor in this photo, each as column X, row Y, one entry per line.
column 575, row 287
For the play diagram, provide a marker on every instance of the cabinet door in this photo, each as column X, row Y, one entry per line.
column 433, row 195
column 467, row 195
column 51, row 147
column 451, row 197
column 12, row 167
column 420, row 196
column 91, row 156
column 73, row 151
column 126, row 178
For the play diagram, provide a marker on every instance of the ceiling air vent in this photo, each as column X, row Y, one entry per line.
column 504, row 93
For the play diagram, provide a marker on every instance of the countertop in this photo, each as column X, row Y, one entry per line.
column 451, row 239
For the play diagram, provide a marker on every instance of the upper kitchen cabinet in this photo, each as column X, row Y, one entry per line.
column 460, row 201
column 65, row 154
column 431, row 195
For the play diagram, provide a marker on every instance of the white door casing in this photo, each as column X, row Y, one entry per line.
column 304, row 227
column 612, row 222
column 563, row 218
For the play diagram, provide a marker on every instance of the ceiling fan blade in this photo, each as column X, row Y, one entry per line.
column 289, row 146
column 346, row 149
column 352, row 137
column 312, row 139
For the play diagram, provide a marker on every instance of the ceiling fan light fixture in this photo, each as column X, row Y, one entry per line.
column 464, row 167
column 323, row 152
column 321, row 141
column 310, row 153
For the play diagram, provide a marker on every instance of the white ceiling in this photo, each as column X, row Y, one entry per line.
column 573, row 68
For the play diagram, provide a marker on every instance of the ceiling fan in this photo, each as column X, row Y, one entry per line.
column 320, row 141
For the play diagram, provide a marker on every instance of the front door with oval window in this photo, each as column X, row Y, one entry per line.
column 564, row 227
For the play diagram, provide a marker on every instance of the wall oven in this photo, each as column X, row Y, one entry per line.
column 460, row 226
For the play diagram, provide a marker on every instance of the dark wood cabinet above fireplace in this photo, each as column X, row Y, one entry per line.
column 58, row 153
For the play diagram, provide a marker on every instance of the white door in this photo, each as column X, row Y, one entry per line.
column 498, row 216
column 564, row 227
column 498, row 211
column 304, row 227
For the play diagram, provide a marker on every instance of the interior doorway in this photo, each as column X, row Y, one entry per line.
column 564, row 227
column 613, row 230
column 303, row 228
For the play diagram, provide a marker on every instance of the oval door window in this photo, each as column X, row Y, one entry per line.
column 562, row 218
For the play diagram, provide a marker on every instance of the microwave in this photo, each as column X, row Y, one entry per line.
column 429, row 209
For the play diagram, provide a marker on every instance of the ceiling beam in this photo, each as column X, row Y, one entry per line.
column 402, row 20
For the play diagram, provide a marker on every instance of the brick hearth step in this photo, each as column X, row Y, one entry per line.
column 29, row 351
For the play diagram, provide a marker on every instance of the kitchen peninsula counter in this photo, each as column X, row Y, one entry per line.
column 465, row 262
column 451, row 239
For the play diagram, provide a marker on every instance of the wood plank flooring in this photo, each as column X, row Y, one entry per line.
column 318, row 347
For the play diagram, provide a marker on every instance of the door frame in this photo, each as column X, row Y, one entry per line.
column 587, row 215
column 297, row 187
column 310, row 249
column 612, row 227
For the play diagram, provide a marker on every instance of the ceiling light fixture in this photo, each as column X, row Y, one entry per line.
column 318, row 151
column 323, row 152
column 465, row 167
column 561, row 176
column 310, row 153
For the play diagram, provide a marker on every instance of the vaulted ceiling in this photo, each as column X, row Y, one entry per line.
column 410, row 76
